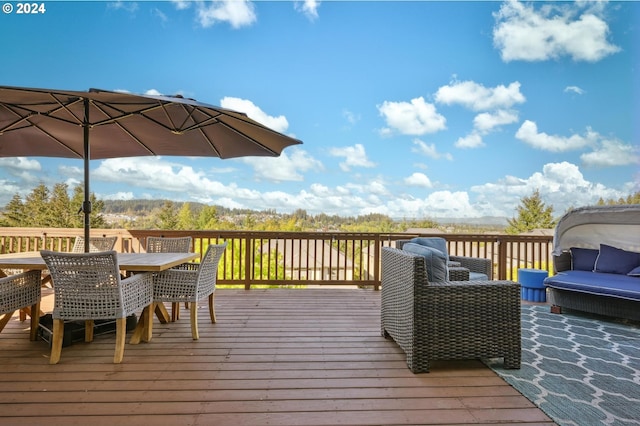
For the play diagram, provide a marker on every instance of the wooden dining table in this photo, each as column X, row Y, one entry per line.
column 128, row 263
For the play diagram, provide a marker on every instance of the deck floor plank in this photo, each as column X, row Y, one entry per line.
column 275, row 356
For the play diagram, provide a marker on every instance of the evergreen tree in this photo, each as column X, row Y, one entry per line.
column 37, row 205
column 186, row 219
column 15, row 213
column 532, row 214
column 167, row 218
column 208, row 218
column 60, row 215
column 96, row 218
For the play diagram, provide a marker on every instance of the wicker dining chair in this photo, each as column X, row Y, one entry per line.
column 96, row 244
column 191, row 285
column 18, row 292
column 168, row 245
column 88, row 287
column 171, row 245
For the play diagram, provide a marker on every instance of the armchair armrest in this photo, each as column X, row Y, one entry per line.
column 475, row 264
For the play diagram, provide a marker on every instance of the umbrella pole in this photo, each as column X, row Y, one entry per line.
column 86, row 205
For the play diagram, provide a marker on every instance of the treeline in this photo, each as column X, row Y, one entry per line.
column 59, row 206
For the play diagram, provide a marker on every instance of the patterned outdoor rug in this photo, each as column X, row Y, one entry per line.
column 579, row 369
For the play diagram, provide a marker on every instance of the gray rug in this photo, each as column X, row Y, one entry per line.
column 579, row 369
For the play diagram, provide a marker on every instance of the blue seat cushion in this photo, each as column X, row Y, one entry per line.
column 623, row 286
column 478, row 276
column 435, row 261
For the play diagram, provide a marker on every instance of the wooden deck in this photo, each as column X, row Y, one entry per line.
column 275, row 357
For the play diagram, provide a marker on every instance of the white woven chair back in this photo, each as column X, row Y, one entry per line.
column 168, row 245
column 96, row 244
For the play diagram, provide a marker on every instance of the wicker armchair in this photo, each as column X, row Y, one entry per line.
column 19, row 292
column 191, row 285
column 96, row 244
column 447, row 320
column 87, row 286
column 171, row 245
column 458, row 264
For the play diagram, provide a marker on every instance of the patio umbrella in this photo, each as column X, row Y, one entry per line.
column 100, row 124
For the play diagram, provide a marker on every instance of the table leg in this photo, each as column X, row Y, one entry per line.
column 162, row 313
column 144, row 328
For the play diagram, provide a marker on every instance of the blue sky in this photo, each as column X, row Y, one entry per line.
column 411, row 109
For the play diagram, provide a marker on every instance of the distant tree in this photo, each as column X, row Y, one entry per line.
column 60, row 212
column 167, row 218
column 631, row 199
column 15, row 213
column 77, row 217
column 208, row 218
column 186, row 219
column 37, row 204
column 43, row 208
column 532, row 214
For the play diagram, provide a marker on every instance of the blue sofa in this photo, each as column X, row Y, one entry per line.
column 597, row 262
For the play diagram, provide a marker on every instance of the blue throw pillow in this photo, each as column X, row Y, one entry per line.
column 583, row 259
column 435, row 261
column 616, row 261
column 635, row 272
column 437, row 243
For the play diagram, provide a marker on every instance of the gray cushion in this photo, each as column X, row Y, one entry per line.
column 478, row 276
column 437, row 243
column 435, row 260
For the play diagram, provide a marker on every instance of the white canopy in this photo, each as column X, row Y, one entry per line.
column 587, row 227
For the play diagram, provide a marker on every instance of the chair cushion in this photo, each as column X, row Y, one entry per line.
column 435, row 261
column 477, row 276
column 583, row 259
column 433, row 242
column 616, row 261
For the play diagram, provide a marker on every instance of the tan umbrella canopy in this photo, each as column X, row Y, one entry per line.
column 100, row 124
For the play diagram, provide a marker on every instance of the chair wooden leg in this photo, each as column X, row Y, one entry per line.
column 212, row 309
column 175, row 311
column 56, row 341
column 23, row 315
column 194, row 320
column 35, row 321
column 121, row 334
column 88, row 331
column 5, row 319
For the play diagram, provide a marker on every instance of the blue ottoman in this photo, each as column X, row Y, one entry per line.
column 531, row 287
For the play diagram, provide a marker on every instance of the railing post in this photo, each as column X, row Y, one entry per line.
column 502, row 259
column 248, row 263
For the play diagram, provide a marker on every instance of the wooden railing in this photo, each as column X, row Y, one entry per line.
column 301, row 258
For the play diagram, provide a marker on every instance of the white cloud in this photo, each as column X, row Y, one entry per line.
column 612, row 153
column 287, row 167
column 411, row 118
column 418, row 179
column 279, row 123
column 20, row 164
column 429, row 150
column 574, row 89
column 355, row 156
column 529, row 134
column 487, row 121
column 555, row 182
column 119, row 196
column 573, row 29
column 477, row 97
column 308, row 7
column 238, row 13
column 472, row 140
